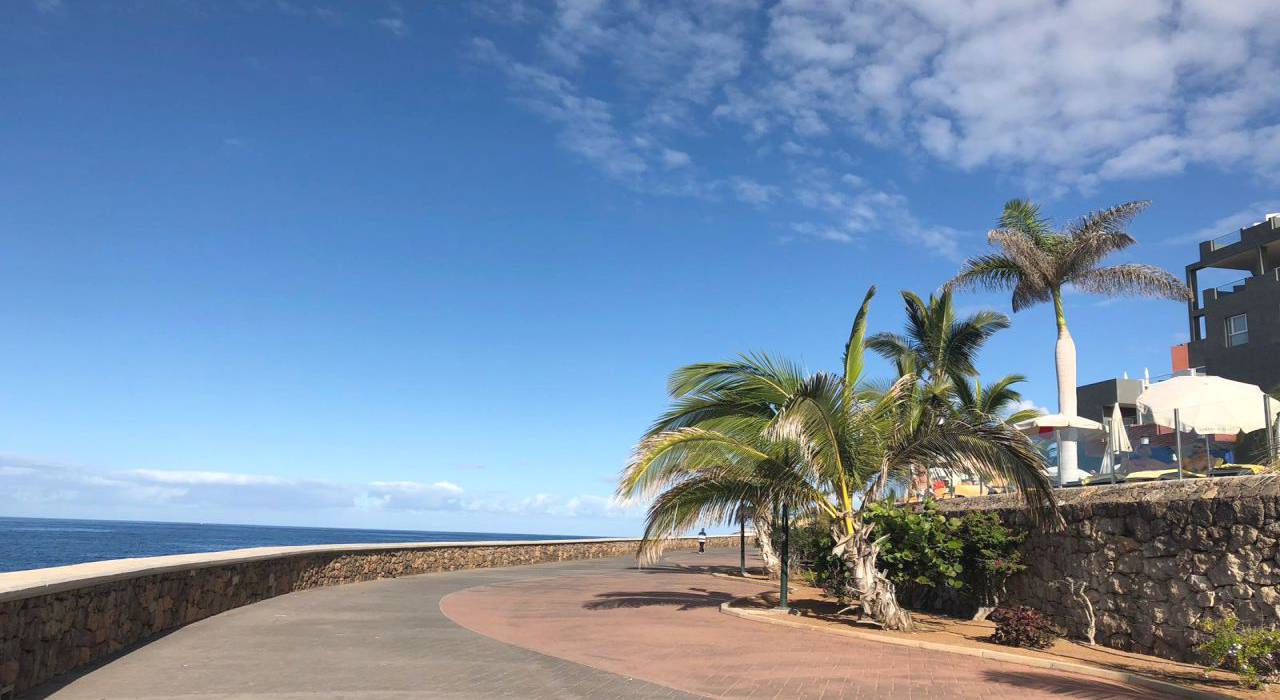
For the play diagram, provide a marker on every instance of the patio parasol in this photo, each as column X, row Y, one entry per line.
column 1065, row 428
column 1207, row 405
column 1117, row 441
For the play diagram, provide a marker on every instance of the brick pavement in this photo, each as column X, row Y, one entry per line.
column 664, row 626
column 569, row 630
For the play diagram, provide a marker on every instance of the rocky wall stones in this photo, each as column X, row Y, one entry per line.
column 1157, row 559
column 45, row 635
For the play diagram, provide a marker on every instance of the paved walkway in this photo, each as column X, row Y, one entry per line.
column 570, row 630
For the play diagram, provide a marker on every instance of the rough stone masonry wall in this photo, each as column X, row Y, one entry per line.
column 1157, row 559
column 45, row 635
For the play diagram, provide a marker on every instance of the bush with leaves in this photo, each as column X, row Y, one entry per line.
column 811, row 545
column 921, row 546
column 991, row 555
column 1252, row 652
column 1023, row 626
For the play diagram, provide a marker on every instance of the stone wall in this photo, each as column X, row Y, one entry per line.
column 1157, row 559
column 55, row 620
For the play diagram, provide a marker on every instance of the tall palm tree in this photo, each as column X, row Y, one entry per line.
column 936, row 346
column 1037, row 263
column 828, row 445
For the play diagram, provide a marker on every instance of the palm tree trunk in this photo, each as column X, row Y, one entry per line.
column 764, row 538
column 1065, row 362
column 859, row 553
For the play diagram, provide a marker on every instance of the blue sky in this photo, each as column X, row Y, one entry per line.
column 428, row 265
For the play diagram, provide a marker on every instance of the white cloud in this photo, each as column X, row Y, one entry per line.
column 37, row 486
column 859, row 212
column 1070, row 90
column 686, row 69
column 557, row 506
column 49, row 6
column 1231, row 223
column 672, row 158
column 586, row 124
column 396, row 25
column 1027, row 404
column 752, row 192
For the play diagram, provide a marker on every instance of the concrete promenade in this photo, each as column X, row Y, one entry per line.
column 570, row 630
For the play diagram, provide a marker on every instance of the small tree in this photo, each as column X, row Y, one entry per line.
column 1076, row 589
column 992, row 556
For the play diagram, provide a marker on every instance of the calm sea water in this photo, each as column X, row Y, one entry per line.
column 33, row 543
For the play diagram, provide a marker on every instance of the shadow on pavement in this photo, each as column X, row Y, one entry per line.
column 687, row 569
column 692, row 599
column 1085, row 688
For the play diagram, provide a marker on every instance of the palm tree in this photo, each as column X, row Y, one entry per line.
column 999, row 400
column 706, row 458
column 827, row 445
column 942, row 352
column 936, row 346
column 1037, row 263
column 699, row 475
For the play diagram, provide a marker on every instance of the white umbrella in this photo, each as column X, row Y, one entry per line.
column 1117, row 440
column 1065, row 428
column 1117, row 436
column 1206, row 405
column 1057, row 421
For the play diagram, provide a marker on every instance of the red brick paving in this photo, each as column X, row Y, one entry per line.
column 664, row 626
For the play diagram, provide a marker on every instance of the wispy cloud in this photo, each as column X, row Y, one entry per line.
column 49, row 7
column 396, row 25
column 1230, row 223
column 686, row 69
column 35, row 483
column 752, row 192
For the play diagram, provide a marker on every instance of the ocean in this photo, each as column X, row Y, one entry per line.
column 33, row 543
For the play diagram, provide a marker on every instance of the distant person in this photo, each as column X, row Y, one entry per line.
column 1142, row 460
column 702, row 540
column 1199, row 461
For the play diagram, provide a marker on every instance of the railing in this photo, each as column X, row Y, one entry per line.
column 1188, row 372
column 1224, row 240
column 1228, row 288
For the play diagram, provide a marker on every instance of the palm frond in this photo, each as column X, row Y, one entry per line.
column 990, row 272
column 1134, row 280
column 853, row 349
column 1023, row 216
column 1109, row 221
column 1035, row 264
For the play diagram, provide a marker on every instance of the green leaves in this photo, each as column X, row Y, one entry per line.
column 1249, row 651
column 975, row 553
column 853, row 349
column 1035, row 261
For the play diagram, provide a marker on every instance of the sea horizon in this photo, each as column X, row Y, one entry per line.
column 35, row 543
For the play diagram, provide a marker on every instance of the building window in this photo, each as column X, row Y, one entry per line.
column 1237, row 330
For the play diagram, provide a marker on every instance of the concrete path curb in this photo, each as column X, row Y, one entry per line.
column 1172, row 689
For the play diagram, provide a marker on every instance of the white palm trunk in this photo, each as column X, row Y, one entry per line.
column 1065, row 359
column 859, row 551
column 764, row 538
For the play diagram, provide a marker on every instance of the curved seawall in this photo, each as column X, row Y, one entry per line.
column 55, row 620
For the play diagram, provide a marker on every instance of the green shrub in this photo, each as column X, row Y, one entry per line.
column 972, row 556
column 923, row 546
column 975, row 554
column 1023, row 626
column 991, row 555
column 811, row 545
column 1252, row 652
